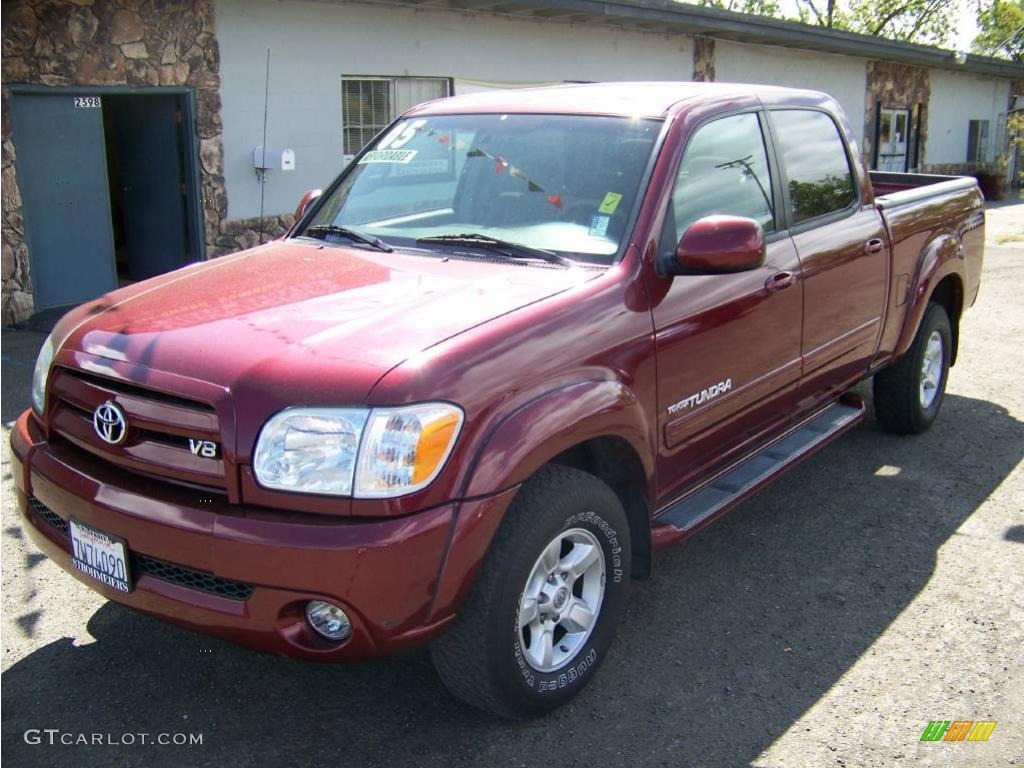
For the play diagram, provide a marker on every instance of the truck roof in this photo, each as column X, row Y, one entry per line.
column 637, row 99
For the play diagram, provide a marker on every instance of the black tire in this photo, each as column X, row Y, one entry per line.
column 898, row 405
column 481, row 659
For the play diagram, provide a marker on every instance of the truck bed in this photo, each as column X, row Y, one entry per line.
column 893, row 189
column 920, row 210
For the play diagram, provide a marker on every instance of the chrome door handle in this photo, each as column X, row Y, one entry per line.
column 780, row 281
column 874, row 245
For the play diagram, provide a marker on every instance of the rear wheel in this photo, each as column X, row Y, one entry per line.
column 541, row 616
column 909, row 394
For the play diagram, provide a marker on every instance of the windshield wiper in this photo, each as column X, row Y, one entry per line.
column 320, row 230
column 506, row 247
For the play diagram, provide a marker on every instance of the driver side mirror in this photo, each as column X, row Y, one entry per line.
column 719, row 244
column 307, row 199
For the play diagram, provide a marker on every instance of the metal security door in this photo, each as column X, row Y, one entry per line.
column 62, row 173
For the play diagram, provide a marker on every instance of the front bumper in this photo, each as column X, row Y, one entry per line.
column 400, row 580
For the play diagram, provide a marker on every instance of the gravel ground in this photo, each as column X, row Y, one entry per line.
column 876, row 587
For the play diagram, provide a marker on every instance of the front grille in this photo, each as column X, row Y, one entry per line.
column 55, row 521
column 201, row 581
column 161, row 428
column 190, row 578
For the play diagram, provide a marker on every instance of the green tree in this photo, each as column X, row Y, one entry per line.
column 1001, row 30
column 822, row 13
column 757, row 7
column 913, row 21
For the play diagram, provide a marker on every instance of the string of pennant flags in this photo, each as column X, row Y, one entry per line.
column 502, row 165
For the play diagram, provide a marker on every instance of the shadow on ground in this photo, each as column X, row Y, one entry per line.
column 741, row 630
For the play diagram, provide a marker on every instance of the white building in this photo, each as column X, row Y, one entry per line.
column 183, row 98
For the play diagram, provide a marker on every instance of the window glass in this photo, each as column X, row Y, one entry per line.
column 977, row 141
column 724, row 170
column 814, row 157
column 365, row 111
column 565, row 183
column 368, row 105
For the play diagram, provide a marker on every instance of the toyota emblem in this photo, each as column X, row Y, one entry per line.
column 109, row 423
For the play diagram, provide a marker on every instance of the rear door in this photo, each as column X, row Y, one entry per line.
column 728, row 346
column 841, row 242
column 62, row 174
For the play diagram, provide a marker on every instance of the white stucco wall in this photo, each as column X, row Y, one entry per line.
column 314, row 43
column 842, row 77
column 956, row 99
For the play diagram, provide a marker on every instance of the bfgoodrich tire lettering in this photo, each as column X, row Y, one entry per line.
column 482, row 660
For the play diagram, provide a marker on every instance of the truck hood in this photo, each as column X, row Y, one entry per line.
column 302, row 321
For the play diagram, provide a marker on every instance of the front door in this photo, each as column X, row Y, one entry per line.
column 893, row 127
column 728, row 346
column 62, row 174
column 842, row 247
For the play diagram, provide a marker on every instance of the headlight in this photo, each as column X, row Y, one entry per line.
column 382, row 452
column 404, row 448
column 310, row 450
column 42, row 373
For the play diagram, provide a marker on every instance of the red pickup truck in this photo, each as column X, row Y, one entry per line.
column 524, row 340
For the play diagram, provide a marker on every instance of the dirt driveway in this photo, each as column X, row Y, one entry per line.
column 877, row 587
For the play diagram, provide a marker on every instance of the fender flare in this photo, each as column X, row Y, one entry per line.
column 526, row 438
column 514, row 446
column 942, row 257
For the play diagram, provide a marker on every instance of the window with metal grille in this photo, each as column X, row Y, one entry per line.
column 368, row 104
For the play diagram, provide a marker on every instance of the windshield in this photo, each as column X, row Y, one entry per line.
column 562, row 183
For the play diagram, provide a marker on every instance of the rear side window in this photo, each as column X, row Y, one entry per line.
column 724, row 170
column 814, row 156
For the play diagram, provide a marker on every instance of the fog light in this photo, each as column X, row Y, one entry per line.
column 328, row 620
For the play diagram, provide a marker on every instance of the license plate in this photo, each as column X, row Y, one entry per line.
column 100, row 555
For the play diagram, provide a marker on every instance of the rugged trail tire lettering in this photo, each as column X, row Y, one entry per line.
column 480, row 660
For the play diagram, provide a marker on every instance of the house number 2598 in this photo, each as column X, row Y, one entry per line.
column 87, row 101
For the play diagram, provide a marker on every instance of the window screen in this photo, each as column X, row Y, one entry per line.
column 724, row 170
column 365, row 110
column 814, row 156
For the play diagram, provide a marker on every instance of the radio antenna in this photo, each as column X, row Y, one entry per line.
column 263, row 160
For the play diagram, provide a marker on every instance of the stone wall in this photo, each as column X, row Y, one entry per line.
column 239, row 234
column 108, row 42
column 899, row 86
column 703, row 59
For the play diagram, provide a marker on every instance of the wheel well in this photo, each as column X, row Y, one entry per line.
column 614, row 461
column 950, row 295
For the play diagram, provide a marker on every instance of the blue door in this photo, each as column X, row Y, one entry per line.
column 62, row 173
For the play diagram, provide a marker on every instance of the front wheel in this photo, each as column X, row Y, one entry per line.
column 541, row 616
column 908, row 394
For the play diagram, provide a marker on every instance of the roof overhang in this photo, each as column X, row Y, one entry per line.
column 669, row 15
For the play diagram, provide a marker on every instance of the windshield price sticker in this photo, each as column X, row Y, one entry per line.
column 401, row 156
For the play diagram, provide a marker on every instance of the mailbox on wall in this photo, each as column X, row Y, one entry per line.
column 273, row 159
